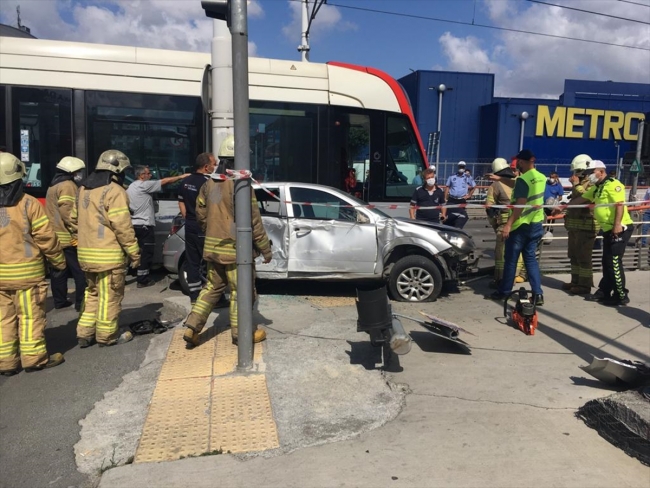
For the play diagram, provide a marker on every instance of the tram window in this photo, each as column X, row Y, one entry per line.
column 43, row 119
column 3, row 128
column 404, row 158
column 163, row 132
column 349, row 142
column 283, row 141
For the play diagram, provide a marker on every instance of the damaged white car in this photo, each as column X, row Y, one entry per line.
column 321, row 233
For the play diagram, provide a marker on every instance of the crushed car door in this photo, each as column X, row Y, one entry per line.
column 325, row 235
column 274, row 218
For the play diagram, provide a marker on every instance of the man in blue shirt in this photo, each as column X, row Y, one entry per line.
column 194, row 237
column 552, row 196
column 428, row 195
column 460, row 188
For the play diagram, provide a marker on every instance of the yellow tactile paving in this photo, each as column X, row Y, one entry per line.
column 242, row 419
column 225, row 358
column 187, row 363
column 178, row 423
column 325, row 302
column 200, row 404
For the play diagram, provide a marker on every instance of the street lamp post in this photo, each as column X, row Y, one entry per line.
column 522, row 117
column 441, row 88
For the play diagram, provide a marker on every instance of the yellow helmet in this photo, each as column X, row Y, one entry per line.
column 11, row 168
column 579, row 163
column 499, row 164
column 227, row 148
column 113, row 160
column 70, row 164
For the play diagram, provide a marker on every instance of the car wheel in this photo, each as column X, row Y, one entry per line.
column 415, row 279
column 182, row 275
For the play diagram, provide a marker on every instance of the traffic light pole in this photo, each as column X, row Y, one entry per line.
column 635, row 175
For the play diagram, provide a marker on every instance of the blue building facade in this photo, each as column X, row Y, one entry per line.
column 597, row 118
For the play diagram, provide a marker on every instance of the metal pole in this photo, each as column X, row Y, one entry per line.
column 440, row 92
column 239, row 31
column 618, row 169
column 635, row 176
column 521, row 133
column 221, row 115
column 304, row 37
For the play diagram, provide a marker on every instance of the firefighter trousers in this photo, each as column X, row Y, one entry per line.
column 499, row 257
column 580, row 250
column 22, row 327
column 613, row 280
column 102, row 306
column 219, row 276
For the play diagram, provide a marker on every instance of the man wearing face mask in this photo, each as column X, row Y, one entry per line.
column 60, row 208
column 459, row 189
column 616, row 224
column 428, row 195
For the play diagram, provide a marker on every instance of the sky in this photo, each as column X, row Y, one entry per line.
column 524, row 64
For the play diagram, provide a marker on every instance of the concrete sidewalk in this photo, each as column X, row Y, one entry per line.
column 503, row 415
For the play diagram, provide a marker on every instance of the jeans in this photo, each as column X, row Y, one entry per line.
column 645, row 228
column 456, row 217
column 525, row 241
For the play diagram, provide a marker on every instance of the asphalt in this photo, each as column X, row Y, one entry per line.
column 501, row 414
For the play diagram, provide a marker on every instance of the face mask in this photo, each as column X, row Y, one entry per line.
column 78, row 177
column 431, row 181
column 552, row 181
column 461, row 171
column 520, row 169
column 593, row 179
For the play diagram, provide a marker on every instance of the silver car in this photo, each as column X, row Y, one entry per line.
column 321, row 233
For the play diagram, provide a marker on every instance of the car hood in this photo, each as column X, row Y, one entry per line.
column 431, row 225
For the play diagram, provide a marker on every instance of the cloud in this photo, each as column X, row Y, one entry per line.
column 534, row 66
column 145, row 23
column 328, row 18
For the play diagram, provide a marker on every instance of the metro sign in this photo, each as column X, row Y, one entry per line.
column 578, row 123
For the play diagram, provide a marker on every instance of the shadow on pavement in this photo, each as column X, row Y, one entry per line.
column 430, row 343
column 364, row 354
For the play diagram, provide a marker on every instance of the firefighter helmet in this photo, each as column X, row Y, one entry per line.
column 499, row 164
column 580, row 162
column 11, row 168
column 227, row 148
column 70, row 164
column 113, row 160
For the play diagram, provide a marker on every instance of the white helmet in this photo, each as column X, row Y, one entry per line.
column 70, row 164
column 227, row 148
column 11, row 168
column 499, row 164
column 580, row 162
column 114, row 161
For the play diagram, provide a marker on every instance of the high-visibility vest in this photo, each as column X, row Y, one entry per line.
column 536, row 182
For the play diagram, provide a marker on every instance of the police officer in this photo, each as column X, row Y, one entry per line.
column 26, row 236
column 616, row 224
column 215, row 212
column 460, row 188
column 582, row 230
column 106, row 243
column 60, row 207
column 499, row 193
column 143, row 216
column 194, row 238
column 523, row 231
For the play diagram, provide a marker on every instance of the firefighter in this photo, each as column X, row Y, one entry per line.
column 582, row 230
column 106, row 243
column 499, row 193
column 215, row 213
column 26, row 236
column 60, row 204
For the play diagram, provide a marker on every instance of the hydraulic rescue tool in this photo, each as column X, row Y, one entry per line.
column 440, row 328
column 524, row 313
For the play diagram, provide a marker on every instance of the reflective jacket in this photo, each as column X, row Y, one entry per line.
column 60, row 203
column 498, row 194
column 580, row 218
column 106, row 236
column 26, row 235
column 536, row 186
column 215, row 213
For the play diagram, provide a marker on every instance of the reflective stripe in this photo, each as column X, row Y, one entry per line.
column 118, row 211
column 100, row 256
column 143, row 272
column 66, row 198
column 220, row 246
column 536, row 183
column 20, row 271
column 64, row 237
column 40, row 222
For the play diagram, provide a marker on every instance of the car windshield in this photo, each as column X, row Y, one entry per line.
column 361, row 203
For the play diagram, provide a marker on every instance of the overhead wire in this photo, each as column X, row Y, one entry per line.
column 485, row 26
column 588, row 12
column 635, row 3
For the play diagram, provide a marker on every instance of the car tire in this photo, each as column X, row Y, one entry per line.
column 182, row 275
column 415, row 279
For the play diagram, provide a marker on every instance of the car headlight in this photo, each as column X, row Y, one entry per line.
column 460, row 242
